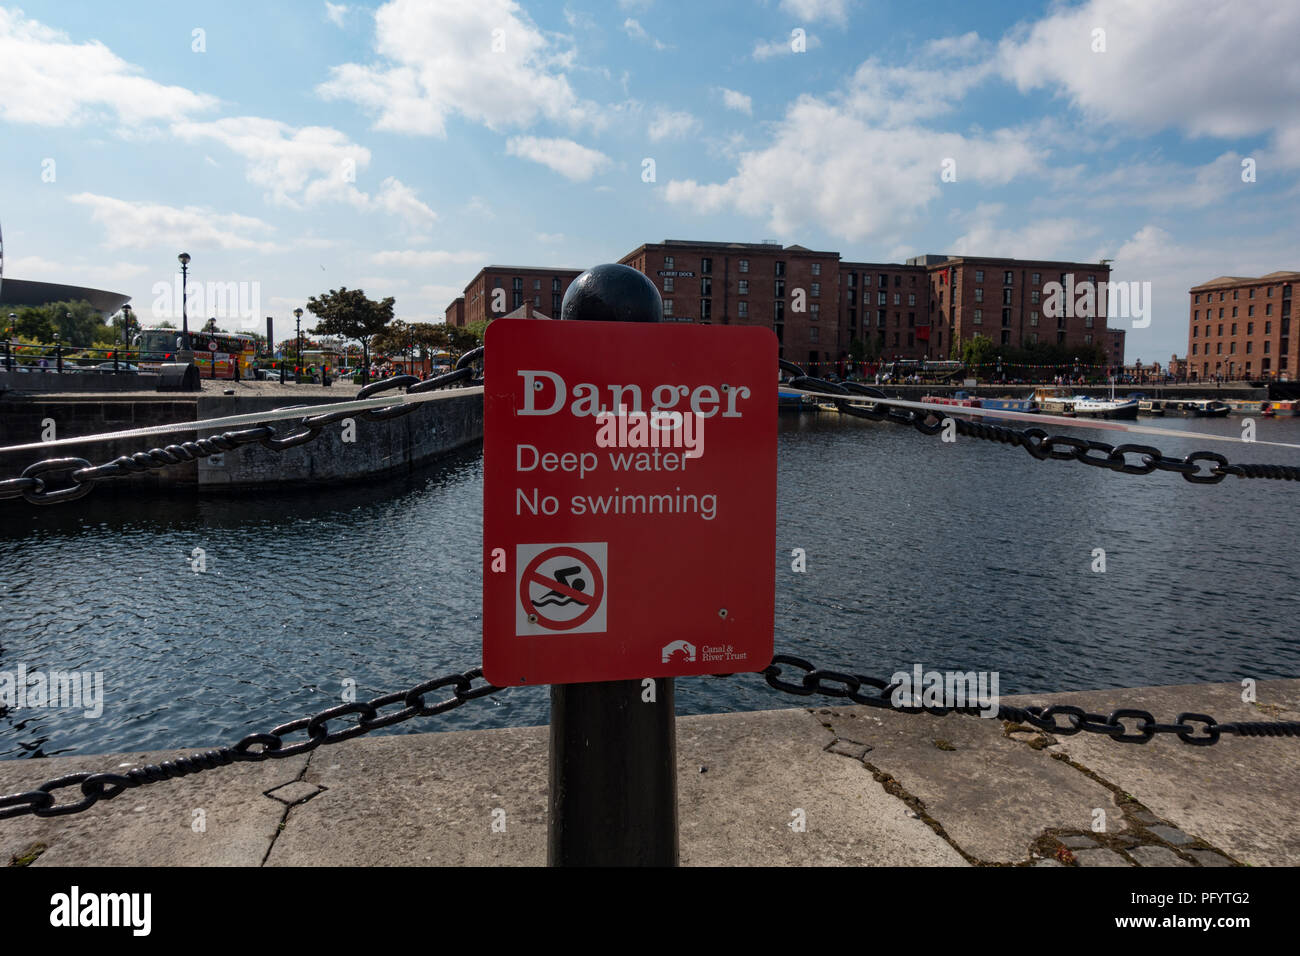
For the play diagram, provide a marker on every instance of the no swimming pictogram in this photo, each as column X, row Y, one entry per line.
column 561, row 588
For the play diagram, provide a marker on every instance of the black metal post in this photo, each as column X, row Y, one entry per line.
column 613, row 773
column 58, row 356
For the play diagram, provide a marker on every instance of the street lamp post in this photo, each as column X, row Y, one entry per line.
column 297, row 315
column 58, row 355
column 184, row 258
column 9, row 341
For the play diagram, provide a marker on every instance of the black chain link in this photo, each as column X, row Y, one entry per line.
column 35, row 487
column 255, row 747
column 1199, row 730
column 1037, row 442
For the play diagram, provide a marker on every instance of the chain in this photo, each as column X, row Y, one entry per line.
column 1041, row 445
column 33, row 483
column 1199, row 730
column 255, row 747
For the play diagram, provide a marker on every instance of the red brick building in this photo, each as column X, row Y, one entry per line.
column 790, row 289
column 497, row 290
column 1240, row 327
column 818, row 305
column 1011, row 302
column 456, row 311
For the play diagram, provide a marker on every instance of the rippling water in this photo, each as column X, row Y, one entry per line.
column 965, row 555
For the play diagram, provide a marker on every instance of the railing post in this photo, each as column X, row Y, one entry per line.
column 613, row 744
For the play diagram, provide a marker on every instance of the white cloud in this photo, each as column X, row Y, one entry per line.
column 569, row 159
column 399, row 199
column 425, row 258
column 289, row 163
column 141, row 225
column 550, row 238
column 39, row 269
column 767, row 49
column 437, row 60
column 828, row 166
column 48, row 80
column 335, row 13
column 836, row 11
column 734, row 100
column 1200, row 66
column 1042, row 237
column 668, row 124
column 637, row 32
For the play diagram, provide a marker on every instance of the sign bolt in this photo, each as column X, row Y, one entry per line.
column 722, row 612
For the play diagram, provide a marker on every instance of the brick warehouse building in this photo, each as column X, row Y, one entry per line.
column 537, row 287
column 1240, row 327
column 818, row 304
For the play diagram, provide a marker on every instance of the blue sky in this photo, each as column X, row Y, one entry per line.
column 400, row 146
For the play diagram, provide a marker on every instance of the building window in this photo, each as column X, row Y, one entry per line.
column 1087, row 340
column 1193, row 348
column 779, row 288
column 518, row 299
column 1198, row 298
column 813, row 334
column 880, row 318
column 814, row 311
column 706, row 267
column 1087, row 321
column 537, row 285
column 1267, row 343
column 706, row 310
column 1033, row 297
column 1195, row 330
column 1037, row 278
column 895, row 338
column 742, row 309
column 668, row 306
column 816, row 268
column 1232, row 348
column 1251, row 293
column 882, row 298
column 1268, row 328
column 555, row 285
column 557, row 305
column 884, row 280
column 1234, row 311
column 537, row 301
column 1033, row 338
column 898, row 298
column 1218, row 348
column 668, row 284
column 780, row 267
column 816, row 290
column 979, row 275
column 1234, row 328
column 911, row 320
column 1033, row 320
column 744, row 266
column 1220, row 328
column 911, row 298
column 779, row 312
column 706, row 286
column 517, row 284
column 979, row 295
column 1006, row 296
column 1268, row 306
column 743, row 287
column 1234, row 295
column 1248, row 347
column 1007, row 277
column 853, row 280
column 1250, row 310
column 1006, row 317
column 979, row 317
column 668, row 263
column 1220, row 296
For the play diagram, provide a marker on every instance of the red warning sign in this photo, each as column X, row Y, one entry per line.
column 629, row 500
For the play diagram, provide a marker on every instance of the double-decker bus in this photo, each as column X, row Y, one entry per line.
column 159, row 346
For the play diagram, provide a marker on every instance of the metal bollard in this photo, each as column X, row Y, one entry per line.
column 613, row 757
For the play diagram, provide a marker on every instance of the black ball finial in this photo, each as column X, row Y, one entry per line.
column 612, row 293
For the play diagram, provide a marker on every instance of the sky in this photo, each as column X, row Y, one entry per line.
column 399, row 147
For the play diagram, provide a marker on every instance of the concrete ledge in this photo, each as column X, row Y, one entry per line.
column 873, row 788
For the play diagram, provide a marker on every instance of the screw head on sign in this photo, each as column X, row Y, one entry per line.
column 532, row 619
column 722, row 612
column 612, row 293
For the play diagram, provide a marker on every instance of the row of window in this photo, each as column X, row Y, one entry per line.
column 706, row 266
column 517, row 284
column 1232, row 348
column 1250, row 328
column 1209, row 296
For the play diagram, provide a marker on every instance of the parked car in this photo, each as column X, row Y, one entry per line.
column 120, row 367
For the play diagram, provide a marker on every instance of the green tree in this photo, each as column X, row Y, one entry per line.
column 976, row 351
column 349, row 313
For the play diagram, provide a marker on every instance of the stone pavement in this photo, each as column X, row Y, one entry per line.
column 870, row 787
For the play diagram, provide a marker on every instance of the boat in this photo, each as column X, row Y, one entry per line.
column 1008, row 404
column 1287, row 408
column 1112, row 407
column 960, row 399
column 1053, row 400
column 1240, row 407
column 1200, row 407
